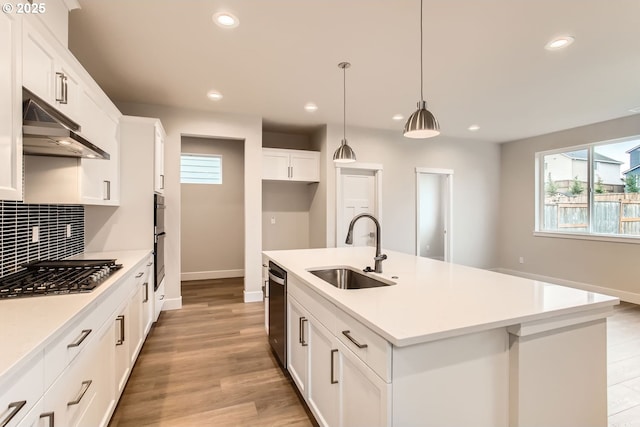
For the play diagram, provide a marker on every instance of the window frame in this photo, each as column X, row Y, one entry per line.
column 202, row 155
column 539, row 192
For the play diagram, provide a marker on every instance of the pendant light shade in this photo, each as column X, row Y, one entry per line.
column 344, row 153
column 421, row 124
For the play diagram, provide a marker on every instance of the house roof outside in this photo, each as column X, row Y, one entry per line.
column 635, row 168
column 633, row 149
column 582, row 155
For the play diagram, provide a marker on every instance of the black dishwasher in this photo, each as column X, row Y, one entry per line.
column 278, row 312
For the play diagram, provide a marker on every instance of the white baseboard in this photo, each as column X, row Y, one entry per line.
column 206, row 275
column 253, row 296
column 172, row 304
column 623, row 295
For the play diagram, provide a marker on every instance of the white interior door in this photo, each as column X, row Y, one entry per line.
column 433, row 218
column 358, row 192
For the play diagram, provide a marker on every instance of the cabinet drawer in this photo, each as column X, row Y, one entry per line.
column 69, row 344
column 370, row 347
column 317, row 305
column 20, row 392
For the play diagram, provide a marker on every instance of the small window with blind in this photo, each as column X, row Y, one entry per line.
column 200, row 169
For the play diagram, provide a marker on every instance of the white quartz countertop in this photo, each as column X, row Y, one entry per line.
column 27, row 325
column 433, row 300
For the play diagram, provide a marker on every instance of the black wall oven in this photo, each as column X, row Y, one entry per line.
column 158, row 239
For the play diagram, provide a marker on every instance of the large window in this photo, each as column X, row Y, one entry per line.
column 590, row 190
column 200, row 169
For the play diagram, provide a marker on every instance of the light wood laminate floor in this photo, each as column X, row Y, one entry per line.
column 209, row 364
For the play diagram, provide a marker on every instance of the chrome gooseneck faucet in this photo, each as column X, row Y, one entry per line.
column 379, row 256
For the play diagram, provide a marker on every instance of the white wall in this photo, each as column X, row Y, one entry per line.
column 285, row 214
column 318, row 209
column 607, row 265
column 475, row 195
column 179, row 122
column 212, row 219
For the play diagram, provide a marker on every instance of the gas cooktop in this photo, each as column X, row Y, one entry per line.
column 57, row 277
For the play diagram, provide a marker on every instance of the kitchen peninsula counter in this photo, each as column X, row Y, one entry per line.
column 455, row 345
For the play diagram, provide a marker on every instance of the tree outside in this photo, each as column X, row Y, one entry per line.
column 631, row 184
column 576, row 187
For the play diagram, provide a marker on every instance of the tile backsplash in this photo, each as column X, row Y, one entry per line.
column 16, row 231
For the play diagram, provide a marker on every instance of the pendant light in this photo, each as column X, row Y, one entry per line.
column 421, row 124
column 344, row 153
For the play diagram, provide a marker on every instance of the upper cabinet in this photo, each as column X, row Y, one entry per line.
column 290, row 165
column 158, row 156
column 50, row 71
column 11, row 111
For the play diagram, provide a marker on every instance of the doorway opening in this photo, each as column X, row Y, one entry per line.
column 212, row 208
column 434, row 191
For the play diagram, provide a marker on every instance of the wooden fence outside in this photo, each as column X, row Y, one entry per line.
column 613, row 213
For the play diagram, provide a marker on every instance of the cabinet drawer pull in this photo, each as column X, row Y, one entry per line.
column 83, row 390
column 162, row 182
column 121, row 320
column 146, row 292
column 348, row 335
column 139, row 275
column 332, row 367
column 15, row 408
column 61, row 78
column 85, row 333
column 107, row 190
column 51, row 416
column 303, row 340
column 150, row 263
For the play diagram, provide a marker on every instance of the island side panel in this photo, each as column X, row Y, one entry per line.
column 460, row 381
column 559, row 377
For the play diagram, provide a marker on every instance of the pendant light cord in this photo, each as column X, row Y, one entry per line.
column 344, row 103
column 421, row 60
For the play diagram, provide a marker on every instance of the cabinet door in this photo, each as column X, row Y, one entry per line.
column 298, row 344
column 66, row 89
column 38, row 64
column 121, row 343
column 158, row 154
column 305, row 166
column 100, row 178
column 147, row 299
column 275, row 164
column 366, row 398
column 135, row 323
column 11, row 111
column 324, row 386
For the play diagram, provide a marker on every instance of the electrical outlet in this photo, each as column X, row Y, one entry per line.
column 273, row 220
column 68, row 230
column 35, row 234
column 521, row 260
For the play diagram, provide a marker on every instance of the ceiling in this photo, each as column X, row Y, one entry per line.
column 484, row 60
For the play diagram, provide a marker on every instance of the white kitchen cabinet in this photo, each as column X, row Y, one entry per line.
column 122, row 362
column 147, row 299
column 11, row 111
column 158, row 156
column 297, row 343
column 20, row 393
column 290, row 165
column 47, row 74
column 324, row 372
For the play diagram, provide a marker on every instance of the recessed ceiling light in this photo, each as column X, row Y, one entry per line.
column 559, row 43
column 214, row 95
column 310, row 107
column 397, row 117
column 473, row 128
column 225, row 20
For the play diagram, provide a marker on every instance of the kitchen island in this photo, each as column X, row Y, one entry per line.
column 444, row 345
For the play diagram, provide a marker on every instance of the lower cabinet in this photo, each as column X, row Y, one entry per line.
column 77, row 380
column 338, row 386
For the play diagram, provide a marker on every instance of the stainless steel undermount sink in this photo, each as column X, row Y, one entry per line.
column 345, row 277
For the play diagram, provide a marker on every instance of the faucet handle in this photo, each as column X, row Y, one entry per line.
column 368, row 269
column 380, row 257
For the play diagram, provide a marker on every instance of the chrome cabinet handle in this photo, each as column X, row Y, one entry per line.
column 120, row 319
column 65, row 91
column 139, row 275
column 276, row 279
column 83, row 390
column 15, row 408
column 332, row 367
column 61, row 78
column 107, row 188
column 150, row 263
column 303, row 340
column 51, row 416
column 85, row 333
column 146, row 292
column 162, row 182
column 348, row 335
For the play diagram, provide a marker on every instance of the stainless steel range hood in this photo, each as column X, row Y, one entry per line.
column 47, row 132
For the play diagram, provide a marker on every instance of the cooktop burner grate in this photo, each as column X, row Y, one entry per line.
column 52, row 277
